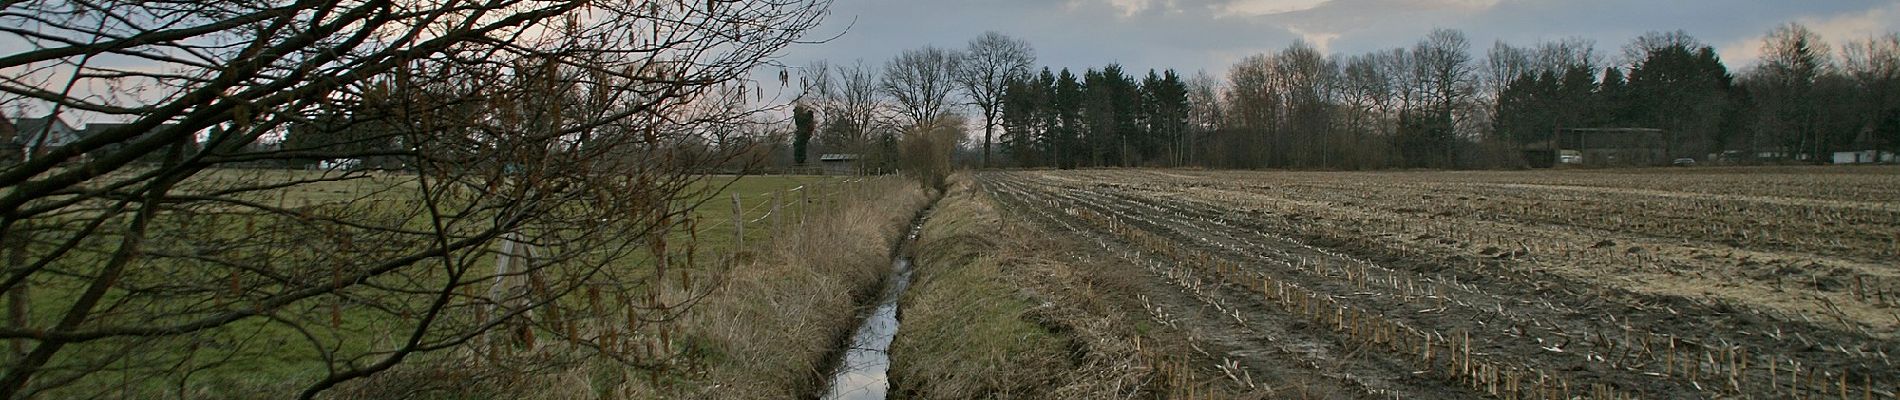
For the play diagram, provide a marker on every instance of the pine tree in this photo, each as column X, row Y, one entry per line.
column 1065, row 115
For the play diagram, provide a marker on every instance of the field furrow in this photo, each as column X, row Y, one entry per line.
column 1514, row 285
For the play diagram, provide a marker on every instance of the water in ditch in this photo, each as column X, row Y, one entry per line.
column 863, row 372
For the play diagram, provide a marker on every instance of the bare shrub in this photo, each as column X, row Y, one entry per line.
column 170, row 249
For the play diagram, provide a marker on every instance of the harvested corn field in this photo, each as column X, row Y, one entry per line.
column 1683, row 283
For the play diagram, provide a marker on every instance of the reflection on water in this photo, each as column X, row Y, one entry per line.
column 862, row 374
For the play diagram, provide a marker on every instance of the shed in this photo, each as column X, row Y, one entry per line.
column 839, row 164
column 1540, row 155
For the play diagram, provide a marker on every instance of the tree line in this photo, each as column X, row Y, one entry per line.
column 1434, row 104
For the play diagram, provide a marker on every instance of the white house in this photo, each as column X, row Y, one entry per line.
column 1864, row 157
column 39, row 135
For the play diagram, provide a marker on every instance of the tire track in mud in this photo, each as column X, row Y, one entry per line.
column 1511, row 313
column 1293, row 356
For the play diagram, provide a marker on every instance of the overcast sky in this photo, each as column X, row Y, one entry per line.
column 1194, row 35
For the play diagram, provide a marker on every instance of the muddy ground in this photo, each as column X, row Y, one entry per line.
column 1742, row 283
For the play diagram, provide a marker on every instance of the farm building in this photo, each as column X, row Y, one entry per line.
column 1600, row 147
column 1864, row 157
column 840, row 164
column 1866, row 149
column 1540, row 155
column 1616, row 146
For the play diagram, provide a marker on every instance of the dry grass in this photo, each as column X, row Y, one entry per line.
column 999, row 309
column 764, row 333
column 967, row 332
column 779, row 317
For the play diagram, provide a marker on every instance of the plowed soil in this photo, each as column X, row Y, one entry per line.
column 1663, row 283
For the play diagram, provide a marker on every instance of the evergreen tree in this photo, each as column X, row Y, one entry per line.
column 1683, row 91
column 1612, row 98
column 1065, row 120
column 1165, row 116
column 1025, row 102
column 803, row 124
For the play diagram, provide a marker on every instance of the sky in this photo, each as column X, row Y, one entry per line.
column 1210, row 35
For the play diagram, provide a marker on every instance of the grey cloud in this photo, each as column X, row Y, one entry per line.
column 1192, row 35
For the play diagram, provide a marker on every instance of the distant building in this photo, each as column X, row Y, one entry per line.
column 1864, row 157
column 10, row 151
column 45, row 134
column 40, row 135
column 1869, row 151
column 840, row 164
column 153, row 157
column 1600, row 147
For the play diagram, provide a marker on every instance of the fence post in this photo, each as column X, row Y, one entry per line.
column 738, row 226
column 775, row 217
column 503, row 290
column 804, row 204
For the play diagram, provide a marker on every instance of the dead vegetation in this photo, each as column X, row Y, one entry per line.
column 761, row 329
column 1518, row 285
column 1000, row 309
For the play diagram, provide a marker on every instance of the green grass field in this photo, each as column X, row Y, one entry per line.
column 257, row 355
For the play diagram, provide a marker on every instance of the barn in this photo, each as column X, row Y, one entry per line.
column 840, row 164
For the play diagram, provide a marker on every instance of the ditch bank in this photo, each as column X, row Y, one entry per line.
column 775, row 330
column 997, row 309
column 861, row 370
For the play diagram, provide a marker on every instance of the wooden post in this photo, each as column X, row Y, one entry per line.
column 776, row 206
column 510, row 244
column 738, row 226
column 502, row 290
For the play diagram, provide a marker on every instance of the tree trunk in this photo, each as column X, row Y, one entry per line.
column 989, row 129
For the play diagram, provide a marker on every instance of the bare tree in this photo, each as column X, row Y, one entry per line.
column 1504, row 63
column 1654, row 41
column 1445, row 71
column 1307, row 81
column 1253, row 106
column 989, row 64
column 560, row 135
column 1443, row 74
column 1205, row 113
column 1364, row 92
column 1875, row 59
column 1874, row 66
column 1794, row 59
column 852, row 104
column 921, row 82
column 1565, row 54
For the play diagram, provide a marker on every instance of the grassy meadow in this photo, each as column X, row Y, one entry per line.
column 264, row 356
